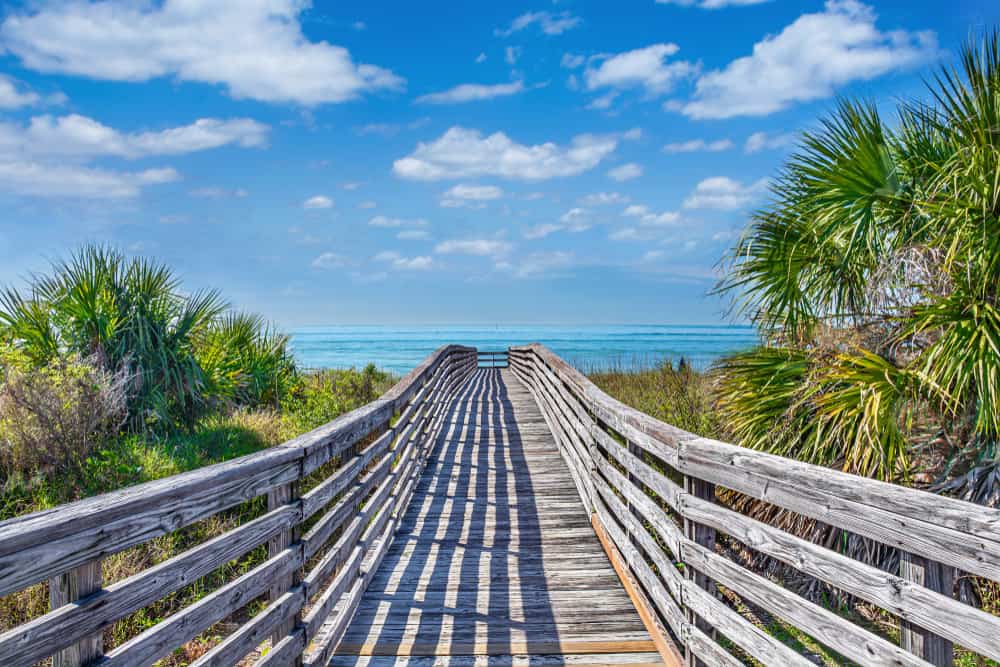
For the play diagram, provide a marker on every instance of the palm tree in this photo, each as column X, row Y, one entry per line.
column 874, row 277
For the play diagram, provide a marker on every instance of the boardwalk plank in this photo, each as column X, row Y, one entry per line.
column 495, row 560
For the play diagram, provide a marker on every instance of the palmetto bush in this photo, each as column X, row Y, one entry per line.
column 184, row 352
column 874, row 277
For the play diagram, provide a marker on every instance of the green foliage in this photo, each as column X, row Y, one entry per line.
column 245, row 361
column 323, row 395
column 184, row 352
column 679, row 396
column 54, row 415
column 874, row 274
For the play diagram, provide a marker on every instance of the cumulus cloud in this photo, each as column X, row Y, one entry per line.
column 571, row 61
column 472, row 92
column 401, row 263
column 808, row 60
column 470, row 195
column 625, row 172
column 384, row 221
column 413, row 235
column 478, row 247
column 49, row 148
column 603, row 199
column 723, row 193
column 466, row 153
column 80, row 137
column 649, row 218
column 215, row 192
column 574, row 220
column 699, row 146
column 11, row 97
column 762, row 141
column 645, row 68
column 318, row 202
column 256, row 50
column 76, row 181
column 549, row 23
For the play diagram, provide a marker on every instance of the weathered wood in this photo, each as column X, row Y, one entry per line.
column 287, row 494
column 29, row 643
column 934, row 576
column 703, row 536
column 69, row 587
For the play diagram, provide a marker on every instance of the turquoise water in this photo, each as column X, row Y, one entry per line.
column 401, row 348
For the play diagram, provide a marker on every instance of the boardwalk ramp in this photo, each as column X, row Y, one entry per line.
column 499, row 509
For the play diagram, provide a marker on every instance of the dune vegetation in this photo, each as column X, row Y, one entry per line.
column 111, row 374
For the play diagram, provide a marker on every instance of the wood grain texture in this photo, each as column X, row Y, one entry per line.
column 485, row 559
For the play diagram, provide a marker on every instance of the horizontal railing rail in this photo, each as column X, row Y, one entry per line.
column 333, row 498
column 493, row 359
column 653, row 491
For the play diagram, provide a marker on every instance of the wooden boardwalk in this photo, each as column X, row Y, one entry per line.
column 495, row 561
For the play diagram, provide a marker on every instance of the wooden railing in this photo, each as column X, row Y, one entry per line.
column 653, row 492
column 492, row 358
column 333, row 498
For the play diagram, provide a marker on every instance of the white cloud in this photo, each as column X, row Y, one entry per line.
column 79, row 137
column 465, row 153
column 511, row 54
column 470, row 195
column 699, row 145
column 542, row 230
column 318, row 202
column 603, row 199
column 548, row 23
column 635, row 134
column 808, row 60
column 645, row 68
column 256, row 50
column 539, row 264
column 380, row 129
column 625, row 172
column 384, row 221
column 571, row 61
column 720, row 192
column 67, row 180
column 648, row 218
column 574, row 220
column 481, row 58
column 712, row 4
column 397, row 261
column 12, row 98
column 413, row 235
column 478, row 247
column 762, row 141
column 215, row 192
column 329, row 260
column 472, row 92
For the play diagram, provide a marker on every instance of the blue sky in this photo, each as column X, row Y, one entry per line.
column 433, row 162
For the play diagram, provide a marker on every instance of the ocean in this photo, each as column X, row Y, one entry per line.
column 592, row 347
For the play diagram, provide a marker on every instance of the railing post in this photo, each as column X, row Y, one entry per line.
column 276, row 498
column 65, row 588
column 939, row 578
column 704, row 536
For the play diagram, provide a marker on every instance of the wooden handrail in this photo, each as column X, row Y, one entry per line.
column 626, row 465
column 373, row 456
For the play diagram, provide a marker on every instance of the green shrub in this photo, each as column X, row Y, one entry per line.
column 323, row 395
column 53, row 416
column 245, row 362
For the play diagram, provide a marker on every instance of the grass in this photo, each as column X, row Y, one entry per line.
column 133, row 459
